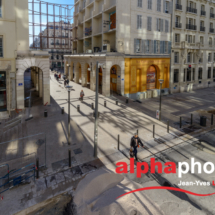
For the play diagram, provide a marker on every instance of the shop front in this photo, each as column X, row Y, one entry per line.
column 3, row 92
column 142, row 75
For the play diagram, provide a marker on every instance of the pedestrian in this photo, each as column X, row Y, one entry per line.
column 82, row 95
column 59, row 76
column 135, row 143
column 65, row 83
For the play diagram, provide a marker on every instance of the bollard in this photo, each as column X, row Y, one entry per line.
column 37, row 168
column 45, row 113
column 180, row 121
column 191, row 119
column 116, row 102
column 95, row 115
column 78, row 108
column 137, row 131
column 69, row 151
column 62, row 110
column 153, row 131
column 92, row 105
column 167, row 126
column 212, row 119
column 126, row 101
column 105, row 104
column 118, row 141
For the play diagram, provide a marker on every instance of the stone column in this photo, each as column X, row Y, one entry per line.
column 83, row 76
column 106, row 81
column 40, row 83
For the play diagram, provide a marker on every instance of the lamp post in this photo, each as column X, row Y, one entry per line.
column 161, row 82
column 69, row 88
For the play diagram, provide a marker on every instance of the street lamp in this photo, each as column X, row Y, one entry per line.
column 69, row 88
column 161, row 82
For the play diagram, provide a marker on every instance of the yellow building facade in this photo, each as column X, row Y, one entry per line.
column 142, row 75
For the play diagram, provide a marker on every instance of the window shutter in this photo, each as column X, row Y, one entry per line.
column 135, row 45
column 169, row 47
column 143, row 46
column 155, row 46
column 157, row 24
column 161, row 27
column 152, row 46
column 161, row 47
column 164, row 5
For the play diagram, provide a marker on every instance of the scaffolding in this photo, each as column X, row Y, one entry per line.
column 50, row 25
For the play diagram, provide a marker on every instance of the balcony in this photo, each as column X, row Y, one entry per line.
column 203, row 13
column 178, row 25
column 191, row 27
column 211, row 30
column 202, row 28
column 212, row 15
column 178, row 7
column 191, row 10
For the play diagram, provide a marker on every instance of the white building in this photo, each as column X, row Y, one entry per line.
column 193, row 47
column 57, row 40
column 131, row 38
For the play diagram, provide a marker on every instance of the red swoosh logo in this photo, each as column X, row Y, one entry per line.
column 166, row 188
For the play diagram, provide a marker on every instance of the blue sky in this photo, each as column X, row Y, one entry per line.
column 61, row 1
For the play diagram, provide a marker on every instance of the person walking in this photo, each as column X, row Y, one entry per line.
column 135, row 143
column 65, row 83
column 82, row 95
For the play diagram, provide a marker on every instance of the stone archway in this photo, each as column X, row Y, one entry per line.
column 115, row 80
column 151, row 77
column 43, row 77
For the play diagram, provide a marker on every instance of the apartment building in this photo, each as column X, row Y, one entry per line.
column 57, row 40
column 15, row 58
column 193, row 47
column 130, row 39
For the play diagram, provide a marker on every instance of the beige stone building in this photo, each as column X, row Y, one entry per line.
column 129, row 38
column 15, row 58
column 193, row 47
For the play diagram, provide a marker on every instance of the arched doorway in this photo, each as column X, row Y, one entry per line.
column 113, row 78
column 87, row 67
column 151, row 78
column 79, row 73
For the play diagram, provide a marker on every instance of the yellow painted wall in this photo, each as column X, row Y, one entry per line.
column 136, row 73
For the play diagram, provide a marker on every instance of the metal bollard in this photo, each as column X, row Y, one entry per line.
column 78, row 108
column 118, row 141
column 92, row 106
column 116, row 102
column 153, row 131
column 105, row 103
column 126, row 101
column 37, row 168
column 180, row 121
column 62, row 110
column 212, row 119
column 69, row 151
column 191, row 119
column 167, row 126
column 45, row 113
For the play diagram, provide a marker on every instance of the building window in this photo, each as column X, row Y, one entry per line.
column 177, row 38
column 150, row 4
column 209, row 57
column 157, row 46
column 184, row 75
column 160, row 25
column 139, row 3
column 139, row 21
column 1, row 46
column 176, row 75
column 149, row 23
column 3, row 95
column 166, row 7
column 213, row 72
column 0, row 9
column 209, row 72
column 148, row 46
column 176, row 57
column 202, row 40
column 138, row 45
column 200, row 74
column 159, row 5
column 166, row 47
column 189, row 74
column 210, row 41
column 194, row 72
column 189, row 57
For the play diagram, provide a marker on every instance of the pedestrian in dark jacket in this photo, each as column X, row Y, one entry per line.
column 67, row 81
column 135, row 143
